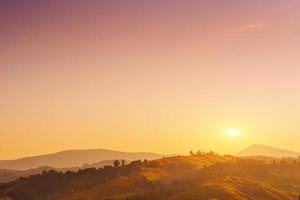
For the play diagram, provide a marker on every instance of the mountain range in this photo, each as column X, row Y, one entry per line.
column 77, row 158
column 262, row 150
column 74, row 158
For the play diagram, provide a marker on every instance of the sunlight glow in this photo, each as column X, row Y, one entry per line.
column 232, row 133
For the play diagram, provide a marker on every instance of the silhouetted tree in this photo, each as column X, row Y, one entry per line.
column 212, row 153
column 123, row 162
column 116, row 163
column 199, row 153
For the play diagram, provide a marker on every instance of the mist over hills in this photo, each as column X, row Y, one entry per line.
column 262, row 150
column 74, row 158
column 7, row 175
column 78, row 158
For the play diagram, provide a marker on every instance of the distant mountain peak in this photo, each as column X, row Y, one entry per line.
column 74, row 158
column 263, row 150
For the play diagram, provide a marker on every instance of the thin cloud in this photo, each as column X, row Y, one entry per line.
column 248, row 27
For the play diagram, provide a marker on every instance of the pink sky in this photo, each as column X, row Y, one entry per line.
column 119, row 74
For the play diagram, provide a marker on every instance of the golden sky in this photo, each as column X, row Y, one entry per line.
column 160, row 76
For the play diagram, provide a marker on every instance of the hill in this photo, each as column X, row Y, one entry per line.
column 73, row 158
column 7, row 175
column 261, row 150
column 201, row 177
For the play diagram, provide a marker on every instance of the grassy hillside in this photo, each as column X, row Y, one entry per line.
column 197, row 177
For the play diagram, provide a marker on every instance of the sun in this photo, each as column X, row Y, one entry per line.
column 232, row 133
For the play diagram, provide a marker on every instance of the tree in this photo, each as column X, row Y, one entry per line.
column 199, row 153
column 123, row 162
column 116, row 163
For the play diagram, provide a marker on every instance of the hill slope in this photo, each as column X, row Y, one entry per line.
column 261, row 150
column 201, row 177
column 73, row 158
column 7, row 175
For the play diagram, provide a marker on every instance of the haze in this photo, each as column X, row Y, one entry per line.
column 157, row 76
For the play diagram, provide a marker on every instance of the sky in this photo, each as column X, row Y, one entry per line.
column 158, row 76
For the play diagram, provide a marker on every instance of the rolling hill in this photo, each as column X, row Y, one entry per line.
column 261, row 150
column 7, row 175
column 196, row 177
column 73, row 158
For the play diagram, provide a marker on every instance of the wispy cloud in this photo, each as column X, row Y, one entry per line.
column 248, row 27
